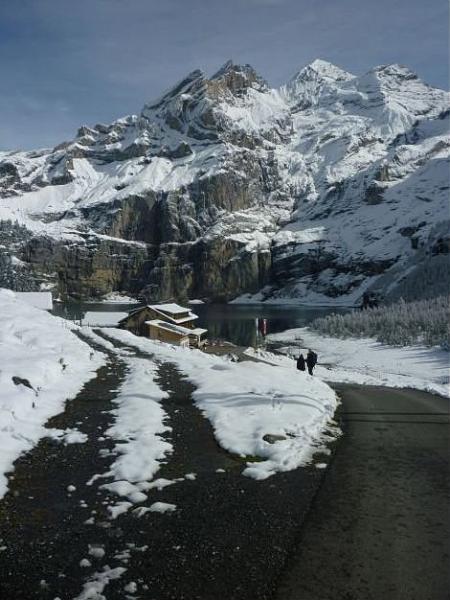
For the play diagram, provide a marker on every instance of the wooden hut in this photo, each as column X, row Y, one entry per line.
column 167, row 332
column 169, row 323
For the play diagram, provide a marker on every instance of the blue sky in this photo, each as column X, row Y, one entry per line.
column 67, row 63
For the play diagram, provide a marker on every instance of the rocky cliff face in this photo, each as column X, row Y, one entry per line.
column 224, row 187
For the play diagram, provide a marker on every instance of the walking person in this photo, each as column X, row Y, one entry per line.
column 311, row 361
column 301, row 363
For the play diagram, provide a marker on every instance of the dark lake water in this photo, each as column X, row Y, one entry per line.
column 241, row 324
column 246, row 325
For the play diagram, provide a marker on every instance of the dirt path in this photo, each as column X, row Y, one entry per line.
column 41, row 523
column 228, row 539
column 379, row 526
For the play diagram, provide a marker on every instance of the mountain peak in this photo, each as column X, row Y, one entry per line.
column 239, row 77
column 193, row 80
column 225, row 68
column 391, row 78
column 324, row 69
column 305, row 88
column 395, row 70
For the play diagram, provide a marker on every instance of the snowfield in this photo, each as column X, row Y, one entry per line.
column 366, row 361
column 42, row 349
column 249, row 400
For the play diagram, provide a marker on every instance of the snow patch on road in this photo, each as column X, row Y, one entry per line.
column 67, row 436
column 93, row 589
column 162, row 507
column 139, row 424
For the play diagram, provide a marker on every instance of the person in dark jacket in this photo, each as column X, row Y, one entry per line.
column 311, row 361
column 301, row 363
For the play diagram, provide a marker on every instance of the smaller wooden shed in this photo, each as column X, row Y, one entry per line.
column 168, row 332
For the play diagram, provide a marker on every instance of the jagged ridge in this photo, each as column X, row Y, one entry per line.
column 223, row 186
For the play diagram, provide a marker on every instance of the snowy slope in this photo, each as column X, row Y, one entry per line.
column 333, row 179
column 41, row 349
column 368, row 362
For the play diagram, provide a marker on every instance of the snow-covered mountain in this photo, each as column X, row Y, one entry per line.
column 328, row 186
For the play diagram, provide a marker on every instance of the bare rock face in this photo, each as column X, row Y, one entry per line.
column 89, row 269
column 217, row 270
column 321, row 189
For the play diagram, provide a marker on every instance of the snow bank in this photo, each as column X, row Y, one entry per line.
column 366, row 361
column 119, row 298
column 40, row 348
column 247, row 401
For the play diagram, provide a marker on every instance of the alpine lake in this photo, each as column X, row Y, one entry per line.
column 240, row 324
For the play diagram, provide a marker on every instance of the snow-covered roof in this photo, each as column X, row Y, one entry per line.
column 103, row 318
column 42, row 300
column 173, row 309
column 164, row 313
column 197, row 331
column 191, row 317
column 169, row 314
